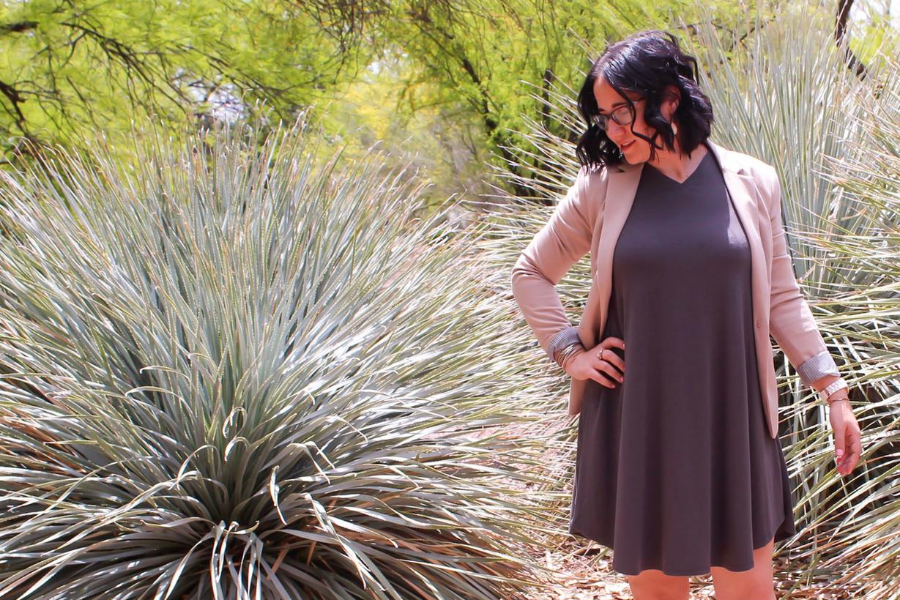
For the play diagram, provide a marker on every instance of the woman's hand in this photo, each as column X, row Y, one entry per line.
column 847, row 445
column 587, row 364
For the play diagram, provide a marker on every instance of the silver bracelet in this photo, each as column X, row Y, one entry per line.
column 830, row 389
column 563, row 338
column 566, row 352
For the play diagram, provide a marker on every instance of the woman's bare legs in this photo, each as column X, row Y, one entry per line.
column 755, row 584
column 653, row 584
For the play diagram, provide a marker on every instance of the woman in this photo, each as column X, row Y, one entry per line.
column 679, row 468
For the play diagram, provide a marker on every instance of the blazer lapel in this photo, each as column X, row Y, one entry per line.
column 745, row 200
column 621, row 189
column 747, row 203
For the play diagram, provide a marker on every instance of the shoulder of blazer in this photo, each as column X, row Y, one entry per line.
column 591, row 185
column 764, row 175
column 751, row 164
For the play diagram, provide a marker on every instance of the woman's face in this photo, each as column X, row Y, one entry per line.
column 633, row 148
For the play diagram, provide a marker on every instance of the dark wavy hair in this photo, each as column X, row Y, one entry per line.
column 645, row 63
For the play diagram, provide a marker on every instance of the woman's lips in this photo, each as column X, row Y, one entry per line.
column 627, row 145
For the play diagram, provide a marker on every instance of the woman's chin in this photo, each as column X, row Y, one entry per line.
column 633, row 158
column 628, row 152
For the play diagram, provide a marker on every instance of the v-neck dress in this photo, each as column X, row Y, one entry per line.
column 675, row 469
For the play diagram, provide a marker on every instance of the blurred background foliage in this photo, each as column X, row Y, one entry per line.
column 451, row 83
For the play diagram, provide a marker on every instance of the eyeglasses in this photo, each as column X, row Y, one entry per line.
column 622, row 115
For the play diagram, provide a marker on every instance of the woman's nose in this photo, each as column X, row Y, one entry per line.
column 614, row 131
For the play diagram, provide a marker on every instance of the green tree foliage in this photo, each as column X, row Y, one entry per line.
column 74, row 67
column 501, row 58
column 454, row 82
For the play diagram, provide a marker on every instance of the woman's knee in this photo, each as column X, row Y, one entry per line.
column 653, row 584
column 755, row 584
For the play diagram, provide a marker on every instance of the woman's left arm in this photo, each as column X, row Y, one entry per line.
column 792, row 325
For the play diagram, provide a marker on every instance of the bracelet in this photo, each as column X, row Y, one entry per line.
column 563, row 355
column 567, row 352
column 829, row 390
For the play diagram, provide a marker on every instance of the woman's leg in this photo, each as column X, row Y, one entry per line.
column 653, row 584
column 755, row 584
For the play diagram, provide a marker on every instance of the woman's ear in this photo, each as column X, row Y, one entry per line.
column 672, row 98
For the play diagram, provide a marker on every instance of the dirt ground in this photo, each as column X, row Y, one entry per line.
column 584, row 572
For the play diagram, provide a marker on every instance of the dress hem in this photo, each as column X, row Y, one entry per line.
column 786, row 533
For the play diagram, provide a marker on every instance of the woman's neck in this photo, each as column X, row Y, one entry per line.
column 676, row 165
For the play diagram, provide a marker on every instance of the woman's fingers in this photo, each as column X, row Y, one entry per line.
column 847, row 445
column 856, row 444
column 603, row 379
column 853, row 449
column 611, row 341
column 608, row 370
column 611, row 356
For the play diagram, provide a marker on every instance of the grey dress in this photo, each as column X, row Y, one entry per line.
column 675, row 469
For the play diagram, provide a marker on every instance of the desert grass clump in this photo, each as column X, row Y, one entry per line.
column 229, row 370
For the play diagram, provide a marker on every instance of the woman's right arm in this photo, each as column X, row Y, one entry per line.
column 561, row 242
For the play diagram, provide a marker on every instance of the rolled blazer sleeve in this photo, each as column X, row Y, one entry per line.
column 791, row 322
column 561, row 242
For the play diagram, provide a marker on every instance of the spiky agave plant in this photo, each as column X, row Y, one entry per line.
column 231, row 372
column 862, row 244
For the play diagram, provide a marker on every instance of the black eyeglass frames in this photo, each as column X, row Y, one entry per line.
column 622, row 115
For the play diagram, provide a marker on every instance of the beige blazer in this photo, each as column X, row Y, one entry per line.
column 588, row 220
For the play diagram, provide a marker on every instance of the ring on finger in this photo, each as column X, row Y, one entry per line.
column 600, row 354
